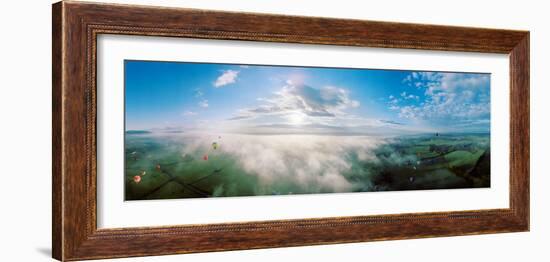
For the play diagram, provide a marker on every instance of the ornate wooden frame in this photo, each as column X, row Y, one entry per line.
column 76, row 26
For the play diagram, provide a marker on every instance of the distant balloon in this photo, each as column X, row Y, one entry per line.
column 158, row 167
column 205, row 157
column 143, row 173
column 215, row 145
column 137, row 179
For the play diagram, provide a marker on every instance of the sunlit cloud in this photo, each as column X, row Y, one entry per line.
column 301, row 101
column 302, row 109
column 226, row 78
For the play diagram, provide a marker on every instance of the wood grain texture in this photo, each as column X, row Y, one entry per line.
column 57, row 215
column 519, row 129
column 76, row 26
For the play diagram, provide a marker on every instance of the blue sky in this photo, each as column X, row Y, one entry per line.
column 279, row 99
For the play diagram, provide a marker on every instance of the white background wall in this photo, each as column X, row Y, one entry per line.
column 25, row 117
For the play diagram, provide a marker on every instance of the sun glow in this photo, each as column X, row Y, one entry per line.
column 296, row 118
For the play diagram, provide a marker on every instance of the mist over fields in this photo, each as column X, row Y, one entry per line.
column 247, row 165
column 311, row 162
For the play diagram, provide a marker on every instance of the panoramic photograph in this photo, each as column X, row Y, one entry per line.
column 198, row 130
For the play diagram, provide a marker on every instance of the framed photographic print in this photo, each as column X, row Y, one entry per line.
column 181, row 130
column 252, row 130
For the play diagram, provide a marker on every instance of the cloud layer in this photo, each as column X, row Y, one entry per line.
column 309, row 163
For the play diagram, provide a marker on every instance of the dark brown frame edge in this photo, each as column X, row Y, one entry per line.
column 76, row 26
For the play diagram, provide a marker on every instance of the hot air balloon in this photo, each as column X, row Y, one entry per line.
column 158, row 167
column 205, row 157
column 143, row 173
column 215, row 145
column 137, row 179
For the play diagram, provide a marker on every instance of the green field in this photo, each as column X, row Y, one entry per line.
column 173, row 166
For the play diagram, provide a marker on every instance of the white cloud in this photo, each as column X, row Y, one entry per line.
column 448, row 97
column 226, row 78
column 189, row 113
column 203, row 103
column 409, row 96
column 306, row 163
column 301, row 109
column 293, row 100
column 394, row 103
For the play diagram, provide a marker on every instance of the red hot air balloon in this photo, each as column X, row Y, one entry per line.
column 205, row 157
column 137, row 179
